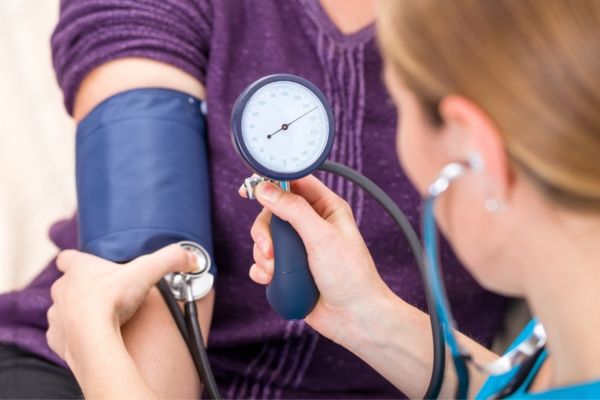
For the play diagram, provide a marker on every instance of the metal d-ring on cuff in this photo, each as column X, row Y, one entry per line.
column 193, row 285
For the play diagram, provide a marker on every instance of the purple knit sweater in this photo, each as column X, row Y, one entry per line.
column 228, row 44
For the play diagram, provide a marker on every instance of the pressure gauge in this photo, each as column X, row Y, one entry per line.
column 282, row 126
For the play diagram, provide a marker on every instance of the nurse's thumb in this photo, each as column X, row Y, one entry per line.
column 292, row 208
column 153, row 267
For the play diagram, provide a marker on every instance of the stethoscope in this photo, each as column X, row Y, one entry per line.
column 434, row 284
column 283, row 128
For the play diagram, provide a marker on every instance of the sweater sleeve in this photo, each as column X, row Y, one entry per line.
column 92, row 32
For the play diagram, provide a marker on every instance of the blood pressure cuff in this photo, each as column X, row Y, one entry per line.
column 143, row 175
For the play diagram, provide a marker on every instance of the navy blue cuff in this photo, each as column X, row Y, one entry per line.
column 142, row 175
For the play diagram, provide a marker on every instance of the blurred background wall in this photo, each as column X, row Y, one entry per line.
column 36, row 141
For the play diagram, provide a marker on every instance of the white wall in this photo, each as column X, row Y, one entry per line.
column 36, row 141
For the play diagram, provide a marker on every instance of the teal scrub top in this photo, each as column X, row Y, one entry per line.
column 494, row 384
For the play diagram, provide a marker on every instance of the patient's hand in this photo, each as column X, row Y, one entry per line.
column 97, row 295
column 338, row 258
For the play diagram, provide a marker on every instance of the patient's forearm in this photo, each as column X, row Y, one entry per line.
column 156, row 346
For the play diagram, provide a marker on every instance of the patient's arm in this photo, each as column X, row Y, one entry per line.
column 151, row 336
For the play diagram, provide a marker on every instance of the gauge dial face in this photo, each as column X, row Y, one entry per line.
column 285, row 127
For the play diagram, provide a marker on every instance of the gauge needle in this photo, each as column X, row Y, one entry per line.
column 284, row 127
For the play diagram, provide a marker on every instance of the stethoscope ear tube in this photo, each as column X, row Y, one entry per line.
column 434, row 286
column 522, row 354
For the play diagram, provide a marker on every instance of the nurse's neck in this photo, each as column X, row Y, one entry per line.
column 563, row 289
column 350, row 15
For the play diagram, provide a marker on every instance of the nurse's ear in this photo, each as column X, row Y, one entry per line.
column 472, row 135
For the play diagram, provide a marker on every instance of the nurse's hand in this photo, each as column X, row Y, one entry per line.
column 338, row 258
column 94, row 297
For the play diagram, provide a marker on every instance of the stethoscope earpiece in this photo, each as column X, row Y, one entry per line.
column 449, row 173
column 475, row 161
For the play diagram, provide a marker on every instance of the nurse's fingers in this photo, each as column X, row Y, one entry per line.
column 294, row 209
column 242, row 192
column 325, row 201
column 154, row 266
column 70, row 258
column 267, row 263
column 261, row 232
column 259, row 275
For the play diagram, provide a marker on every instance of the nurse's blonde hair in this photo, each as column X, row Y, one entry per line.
column 532, row 65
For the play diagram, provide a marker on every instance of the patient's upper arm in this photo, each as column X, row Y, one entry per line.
column 100, row 49
column 151, row 336
column 131, row 73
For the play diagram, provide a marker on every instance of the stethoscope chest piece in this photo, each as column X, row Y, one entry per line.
column 196, row 284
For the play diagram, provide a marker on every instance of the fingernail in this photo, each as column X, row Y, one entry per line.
column 269, row 192
column 263, row 245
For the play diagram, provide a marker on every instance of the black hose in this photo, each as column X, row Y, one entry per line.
column 173, row 307
column 190, row 330
column 199, row 352
column 385, row 201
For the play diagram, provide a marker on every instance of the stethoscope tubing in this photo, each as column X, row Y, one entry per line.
column 188, row 326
